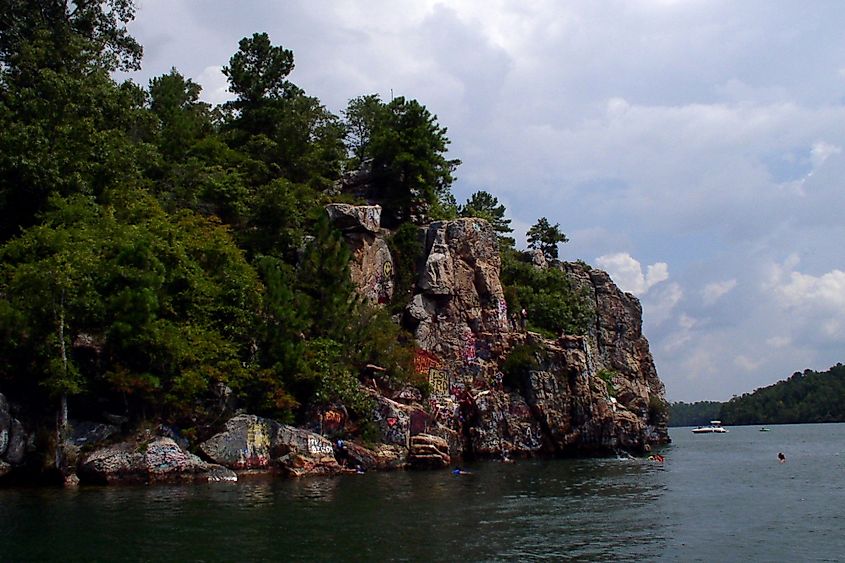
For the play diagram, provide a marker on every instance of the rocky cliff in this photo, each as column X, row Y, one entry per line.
column 591, row 393
column 491, row 388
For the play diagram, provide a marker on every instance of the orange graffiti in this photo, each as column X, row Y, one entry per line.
column 332, row 417
column 424, row 361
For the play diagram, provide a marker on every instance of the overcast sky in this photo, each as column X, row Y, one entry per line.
column 693, row 149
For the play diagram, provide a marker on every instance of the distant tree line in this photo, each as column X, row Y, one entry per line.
column 804, row 397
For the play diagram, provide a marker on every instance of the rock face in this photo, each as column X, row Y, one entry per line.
column 592, row 393
column 14, row 440
column 160, row 459
column 371, row 267
column 251, row 442
column 589, row 393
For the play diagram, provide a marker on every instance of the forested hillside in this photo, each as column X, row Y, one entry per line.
column 805, row 397
column 693, row 414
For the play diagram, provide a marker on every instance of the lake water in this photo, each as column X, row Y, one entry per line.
column 716, row 498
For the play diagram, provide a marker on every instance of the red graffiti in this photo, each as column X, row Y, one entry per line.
column 425, row 360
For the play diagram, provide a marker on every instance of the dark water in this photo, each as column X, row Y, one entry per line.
column 717, row 498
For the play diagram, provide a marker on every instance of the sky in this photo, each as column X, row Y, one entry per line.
column 693, row 149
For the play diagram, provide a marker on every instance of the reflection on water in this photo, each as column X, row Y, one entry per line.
column 607, row 509
column 524, row 510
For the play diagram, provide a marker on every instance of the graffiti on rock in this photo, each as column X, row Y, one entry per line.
column 502, row 307
column 438, row 381
column 426, row 363
column 469, row 344
column 318, row 446
column 332, row 421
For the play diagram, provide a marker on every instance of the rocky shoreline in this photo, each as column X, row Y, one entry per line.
column 587, row 394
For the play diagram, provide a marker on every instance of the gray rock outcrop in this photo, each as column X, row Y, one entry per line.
column 589, row 393
column 160, row 459
column 252, row 442
column 371, row 267
column 14, row 440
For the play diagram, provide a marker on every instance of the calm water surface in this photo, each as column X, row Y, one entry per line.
column 717, row 498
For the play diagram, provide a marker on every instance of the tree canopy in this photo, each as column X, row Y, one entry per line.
column 545, row 237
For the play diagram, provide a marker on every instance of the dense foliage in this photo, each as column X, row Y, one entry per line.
column 552, row 303
column 802, row 398
column 693, row 414
column 160, row 257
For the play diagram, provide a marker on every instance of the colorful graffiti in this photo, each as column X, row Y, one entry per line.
column 469, row 344
column 425, row 360
column 419, row 422
column 438, row 381
column 502, row 307
column 426, row 363
column 332, row 421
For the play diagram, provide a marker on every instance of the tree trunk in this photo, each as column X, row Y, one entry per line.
column 61, row 415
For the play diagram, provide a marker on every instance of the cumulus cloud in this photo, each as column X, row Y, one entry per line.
column 816, row 303
column 628, row 274
column 215, row 85
column 660, row 304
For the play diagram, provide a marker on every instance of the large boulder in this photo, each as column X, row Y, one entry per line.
column 245, row 444
column 252, row 442
column 17, row 443
column 159, row 459
column 355, row 218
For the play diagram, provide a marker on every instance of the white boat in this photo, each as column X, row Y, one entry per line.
column 715, row 427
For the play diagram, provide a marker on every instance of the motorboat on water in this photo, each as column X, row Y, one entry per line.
column 764, row 429
column 715, row 427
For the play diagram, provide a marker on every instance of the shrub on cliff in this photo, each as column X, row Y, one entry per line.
column 553, row 304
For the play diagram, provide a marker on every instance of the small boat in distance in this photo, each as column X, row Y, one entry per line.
column 764, row 429
column 715, row 427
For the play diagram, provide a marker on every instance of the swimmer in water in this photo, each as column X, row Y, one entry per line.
column 781, row 457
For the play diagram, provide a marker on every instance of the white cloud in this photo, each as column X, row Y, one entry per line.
column 825, row 292
column 660, row 303
column 712, row 292
column 778, row 341
column 628, row 274
column 215, row 86
column 821, row 151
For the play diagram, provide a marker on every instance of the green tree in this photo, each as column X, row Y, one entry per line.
column 65, row 126
column 183, row 119
column 170, row 299
column 76, row 33
column 545, row 236
column 553, row 303
column 486, row 206
column 275, row 123
column 362, row 117
column 258, row 72
column 406, row 148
